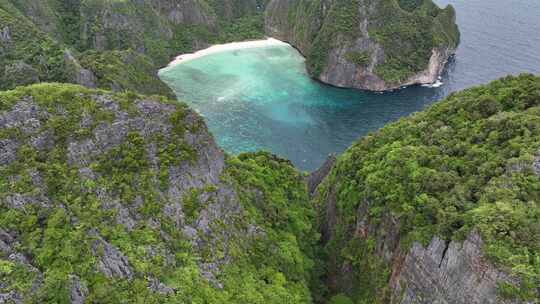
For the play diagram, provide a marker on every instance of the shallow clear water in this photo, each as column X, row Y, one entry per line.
column 262, row 99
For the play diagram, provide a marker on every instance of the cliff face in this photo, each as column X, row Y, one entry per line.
column 366, row 44
column 116, row 45
column 110, row 198
column 459, row 269
column 412, row 214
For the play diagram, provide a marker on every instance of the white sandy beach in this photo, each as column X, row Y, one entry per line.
column 227, row 47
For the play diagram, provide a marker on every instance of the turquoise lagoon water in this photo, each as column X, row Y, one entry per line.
column 262, row 98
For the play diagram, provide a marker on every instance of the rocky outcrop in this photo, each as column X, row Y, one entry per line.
column 348, row 44
column 394, row 227
column 20, row 73
column 114, row 45
column 112, row 263
column 5, row 35
column 77, row 73
column 447, row 272
column 78, row 291
column 140, row 195
column 316, row 177
column 536, row 166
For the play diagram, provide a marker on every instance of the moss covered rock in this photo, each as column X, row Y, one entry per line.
column 113, row 198
column 116, row 45
column 441, row 206
column 367, row 44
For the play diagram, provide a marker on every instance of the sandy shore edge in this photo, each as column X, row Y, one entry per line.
column 226, row 47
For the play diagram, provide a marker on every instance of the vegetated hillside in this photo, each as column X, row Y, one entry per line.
column 108, row 198
column 113, row 44
column 367, row 44
column 121, row 198
column 440, row 207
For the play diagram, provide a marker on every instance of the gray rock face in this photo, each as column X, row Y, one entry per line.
column 8, row 150
column 112, row 263
column 217, row 224
column 5, row 35
column 78, row 291
column 119, row 20
column 10, row 298
column 443, row 272
column 447, row 273
column 536, row 166
column 316, row 177
column 185, row 12
column 24, row 115
column 156, row 286
column 6, row 242
column 78, row 74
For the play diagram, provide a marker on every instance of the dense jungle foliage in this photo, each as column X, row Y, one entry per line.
column 407, row 30
column 63, row 213
column 105, row 36
column 468, row 162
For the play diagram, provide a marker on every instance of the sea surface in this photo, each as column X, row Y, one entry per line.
column 262, row 99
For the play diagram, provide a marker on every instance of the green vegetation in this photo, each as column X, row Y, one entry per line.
column 340, row 26
column 27, row 54
column 408, row 32
column 123, row 43
column 64, row 211
column 358, row 58
column 245, row 28
column 125, row 71
column 465, row 163
column 341, row 299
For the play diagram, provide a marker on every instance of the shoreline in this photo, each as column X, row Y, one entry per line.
column 217, row 48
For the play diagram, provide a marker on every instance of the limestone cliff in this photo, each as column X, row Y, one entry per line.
column 367, row 44
column 411, row 214
column 116, row 45
column 114, row 198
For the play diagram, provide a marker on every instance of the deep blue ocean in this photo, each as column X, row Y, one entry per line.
column 262, row 99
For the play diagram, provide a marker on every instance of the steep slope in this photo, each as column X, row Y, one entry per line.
column 367, row 44
column 113, row 44
column 108, row 198
column 441, row 207
column 115, row 198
